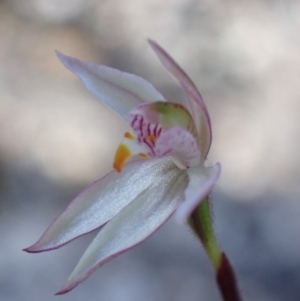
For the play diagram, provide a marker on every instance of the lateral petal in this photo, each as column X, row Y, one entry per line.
column 196, row 104
column 100, row 202
column 134, row 223
column 201, row 182
column 118, row 90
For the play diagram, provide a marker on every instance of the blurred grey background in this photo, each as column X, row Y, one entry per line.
column 55, row 139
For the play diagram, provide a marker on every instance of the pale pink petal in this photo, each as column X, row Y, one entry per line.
column 119, row 90
column 196, row 104
column 100, row 202
column 134, row 223
column 201, row 182
column 180, row 145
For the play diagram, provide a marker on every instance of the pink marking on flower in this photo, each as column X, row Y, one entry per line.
column 146, row 132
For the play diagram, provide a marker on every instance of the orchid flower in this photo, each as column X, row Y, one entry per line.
column 158, row 168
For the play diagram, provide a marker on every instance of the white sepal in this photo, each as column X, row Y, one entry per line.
column 100, row 202
column 195, row 102
column 118, row 90
column 134, row 223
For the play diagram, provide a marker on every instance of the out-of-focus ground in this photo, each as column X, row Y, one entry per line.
column 55, row 138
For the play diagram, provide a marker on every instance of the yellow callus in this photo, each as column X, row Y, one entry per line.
column 122, row 155
column 129, row 148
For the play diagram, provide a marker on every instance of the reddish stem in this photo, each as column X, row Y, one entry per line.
column 226, row 281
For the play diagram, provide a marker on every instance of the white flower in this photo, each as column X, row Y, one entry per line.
column 166, row 151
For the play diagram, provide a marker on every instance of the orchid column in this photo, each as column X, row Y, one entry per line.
column 158, row 170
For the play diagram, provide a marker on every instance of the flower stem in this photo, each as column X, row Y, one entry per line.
column 226, row 281
column 202, row 224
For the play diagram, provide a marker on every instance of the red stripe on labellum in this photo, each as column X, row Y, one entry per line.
column 141, row 124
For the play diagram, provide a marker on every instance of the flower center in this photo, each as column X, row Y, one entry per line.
column 146, row 132
column 160, row 129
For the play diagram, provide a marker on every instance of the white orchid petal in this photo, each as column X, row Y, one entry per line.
column 201, row 182
column 195, row 103
column 100, row 202
column 180, row 145
column 134, row 223
column 119, row 90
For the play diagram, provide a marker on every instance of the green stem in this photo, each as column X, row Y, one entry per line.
column 202, row 224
